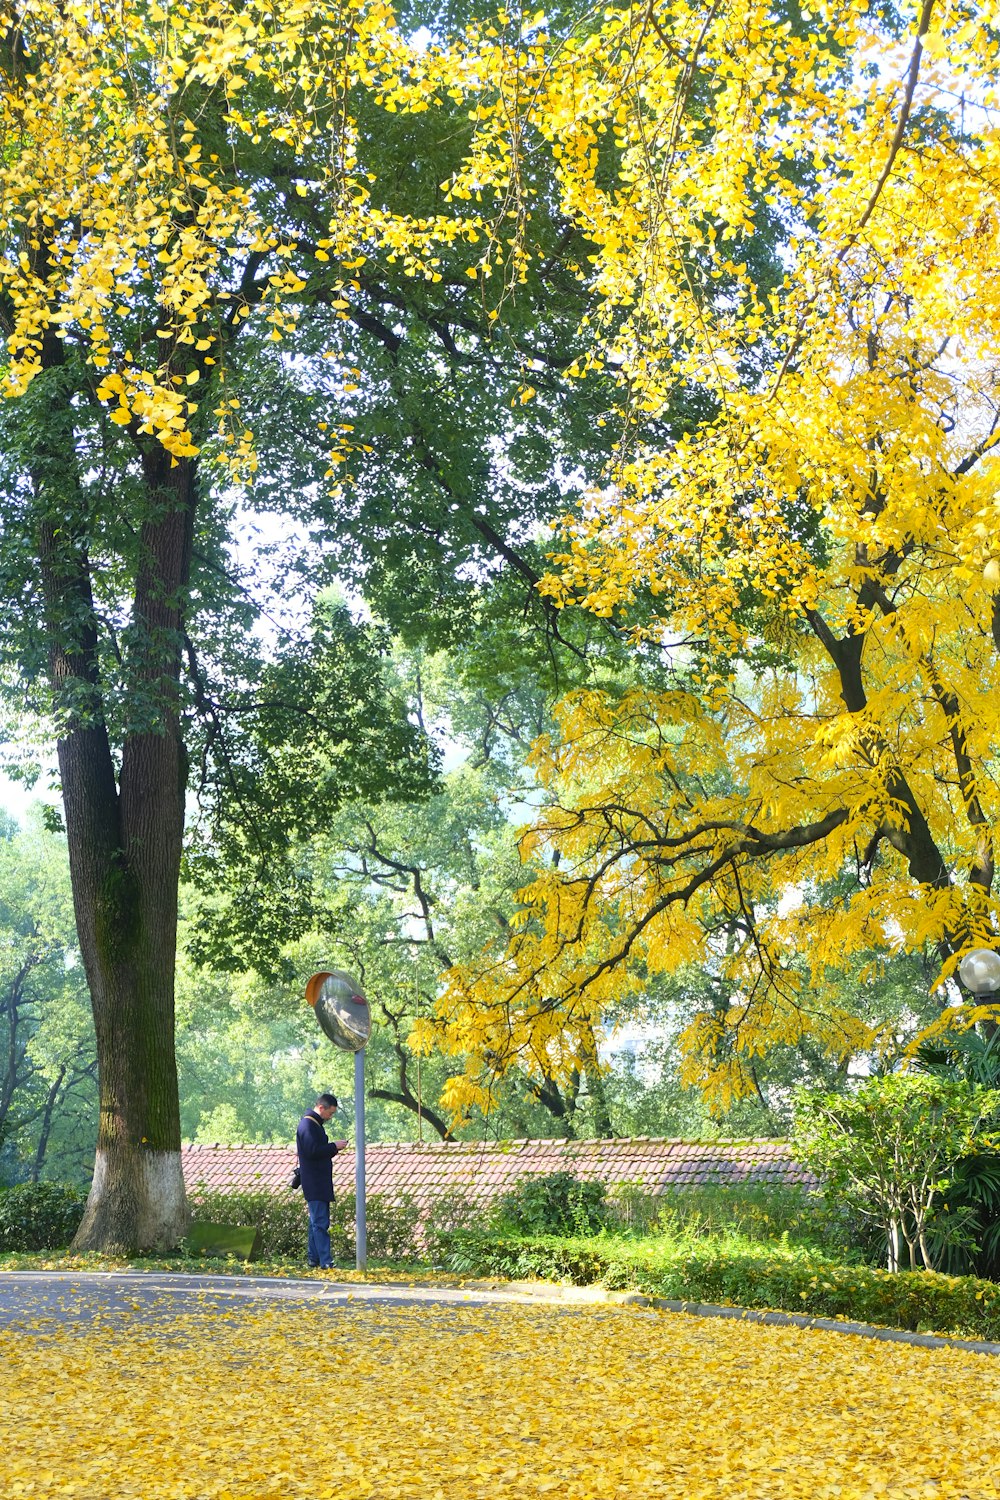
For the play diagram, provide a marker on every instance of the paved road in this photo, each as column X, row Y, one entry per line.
column 42, row 1301
column 37, row 1301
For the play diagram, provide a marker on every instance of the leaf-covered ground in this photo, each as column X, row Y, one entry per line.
column 368, row 1402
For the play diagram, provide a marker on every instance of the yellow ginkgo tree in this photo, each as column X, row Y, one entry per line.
column 811, row 572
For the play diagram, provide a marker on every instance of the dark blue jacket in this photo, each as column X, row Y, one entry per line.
column 316, row 1152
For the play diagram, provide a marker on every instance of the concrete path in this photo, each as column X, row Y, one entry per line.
column 38, row 1300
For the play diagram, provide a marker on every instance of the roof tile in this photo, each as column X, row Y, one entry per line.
column 483, row 1170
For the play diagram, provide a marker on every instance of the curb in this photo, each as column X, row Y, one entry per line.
column 515, row 1291
column 566, row 1292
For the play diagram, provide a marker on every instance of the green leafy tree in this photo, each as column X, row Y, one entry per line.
column 160, row 243
column 891, row 1150
column 47, row 1053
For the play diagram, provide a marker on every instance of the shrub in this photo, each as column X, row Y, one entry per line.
column 449, row 1212
column 760, row 1212
column 632, row 1208
column 280, row 1217
column 974, row 1197
column 890, row 1152
column 391, row 1225
column 39, row 1216
column 555, row 1203
column 283, row 1223
column 792, row 1280
column 547, row 1258
column 973, row 1206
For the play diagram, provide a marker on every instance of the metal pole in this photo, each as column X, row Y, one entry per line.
column 360, row 1234
column 420, row 1102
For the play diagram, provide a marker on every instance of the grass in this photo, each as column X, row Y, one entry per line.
column 736, row 1219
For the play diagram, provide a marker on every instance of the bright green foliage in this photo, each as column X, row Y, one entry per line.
column 324, row 726
column 47, row 1051
column 975, row 1192
column 39, row 1216
column 769, row 1276
column 890, row 1150
column 394, row 891
column 557, row 1203
column 766, row 1214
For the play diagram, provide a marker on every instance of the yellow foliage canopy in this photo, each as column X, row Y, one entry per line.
column 812, row 567
column 811, row 572
column 147, row 155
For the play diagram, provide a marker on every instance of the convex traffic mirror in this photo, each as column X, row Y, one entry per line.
column 341, row 1009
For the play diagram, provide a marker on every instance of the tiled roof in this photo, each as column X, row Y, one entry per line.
column 483, row 1170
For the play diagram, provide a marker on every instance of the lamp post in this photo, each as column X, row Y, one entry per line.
column 979, row 971
column 343, row 1015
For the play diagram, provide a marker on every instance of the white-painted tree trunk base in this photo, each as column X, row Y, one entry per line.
column 145, row 1208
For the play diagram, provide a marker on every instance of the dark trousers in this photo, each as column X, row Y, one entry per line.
column 319, row 1253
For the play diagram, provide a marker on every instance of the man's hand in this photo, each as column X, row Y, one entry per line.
column 340, row 1145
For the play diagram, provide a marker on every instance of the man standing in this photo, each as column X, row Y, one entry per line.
column 316, row 1152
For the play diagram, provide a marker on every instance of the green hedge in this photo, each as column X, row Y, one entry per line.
column 281, row 1218
column 39, row 1216
column 788, row 1280
column 283, row 1223
column 552, row 1203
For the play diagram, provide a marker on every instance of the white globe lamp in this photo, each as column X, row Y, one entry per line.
column 979, row 971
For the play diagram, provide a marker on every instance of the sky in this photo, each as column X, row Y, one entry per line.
column 16, row 798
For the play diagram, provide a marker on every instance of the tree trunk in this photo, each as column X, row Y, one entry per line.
column 128, row 878
column 12, row 1075
column 926, row 1255
column 47, row 1112
column 125, row 862
column 893, row 1245
column 127, row 918
column 124, row 836
column 603, row 1126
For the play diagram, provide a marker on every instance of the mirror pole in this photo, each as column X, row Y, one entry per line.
column 360, row 1235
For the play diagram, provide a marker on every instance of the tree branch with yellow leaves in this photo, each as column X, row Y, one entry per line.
column 826, row 533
